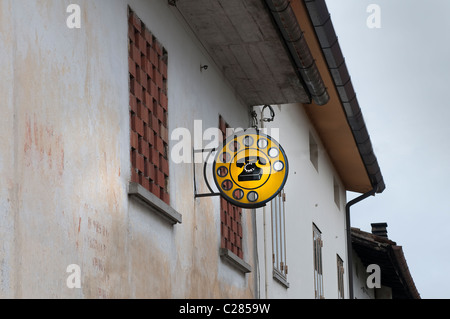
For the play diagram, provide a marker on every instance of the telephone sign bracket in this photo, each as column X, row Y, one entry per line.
column 211, row 191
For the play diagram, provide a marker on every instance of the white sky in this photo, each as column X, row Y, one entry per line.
column 401, row 75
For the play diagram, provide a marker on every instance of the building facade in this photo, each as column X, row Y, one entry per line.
column 301, row 236
column 106, row 108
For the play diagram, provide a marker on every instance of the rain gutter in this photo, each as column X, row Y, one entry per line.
column 294, row 40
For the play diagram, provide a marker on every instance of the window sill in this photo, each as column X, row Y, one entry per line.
column 280, row 278
column 154, row 203
column 235, row 261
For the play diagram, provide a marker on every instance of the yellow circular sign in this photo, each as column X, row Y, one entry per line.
column 250, row 169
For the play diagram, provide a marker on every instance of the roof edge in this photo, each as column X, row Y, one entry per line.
column 293, row 37
column 404, row 269
column 323, row 26
column 395, row 254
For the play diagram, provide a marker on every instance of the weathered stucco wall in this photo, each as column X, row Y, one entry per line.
column 65, row 166
column 7, row 185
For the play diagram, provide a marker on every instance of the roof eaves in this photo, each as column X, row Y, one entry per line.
column 369, row 237
column 405, row 273
column 321, row 20
column 388, row 250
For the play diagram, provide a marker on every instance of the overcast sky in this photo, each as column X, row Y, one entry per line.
column 401, row 75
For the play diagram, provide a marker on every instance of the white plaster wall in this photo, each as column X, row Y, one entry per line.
column 8, row 189
column 65, row 166
column 65, row 141
column 360, row 289
column 309, row 199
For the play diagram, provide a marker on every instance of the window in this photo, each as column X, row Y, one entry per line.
column 280, row 267
column 313, row 152
column 337, row 193
column 147, row 63
column 318, row 271
column 340, row 277
column 230, row 216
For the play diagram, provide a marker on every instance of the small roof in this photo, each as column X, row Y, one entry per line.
column 373, row 249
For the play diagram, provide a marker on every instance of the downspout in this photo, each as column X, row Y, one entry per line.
column 349, row 237
column 294, row 40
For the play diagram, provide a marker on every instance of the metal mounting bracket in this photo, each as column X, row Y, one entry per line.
column 205, row 164
column 172, row 3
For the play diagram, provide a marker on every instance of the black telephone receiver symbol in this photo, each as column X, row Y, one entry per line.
column 251, row 171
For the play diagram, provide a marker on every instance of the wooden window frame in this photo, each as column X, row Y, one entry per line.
column 278, row 210
column 340, row 276
column 318, row 263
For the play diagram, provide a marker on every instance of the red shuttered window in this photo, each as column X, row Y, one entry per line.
column 230, row 216
column 147, row 64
